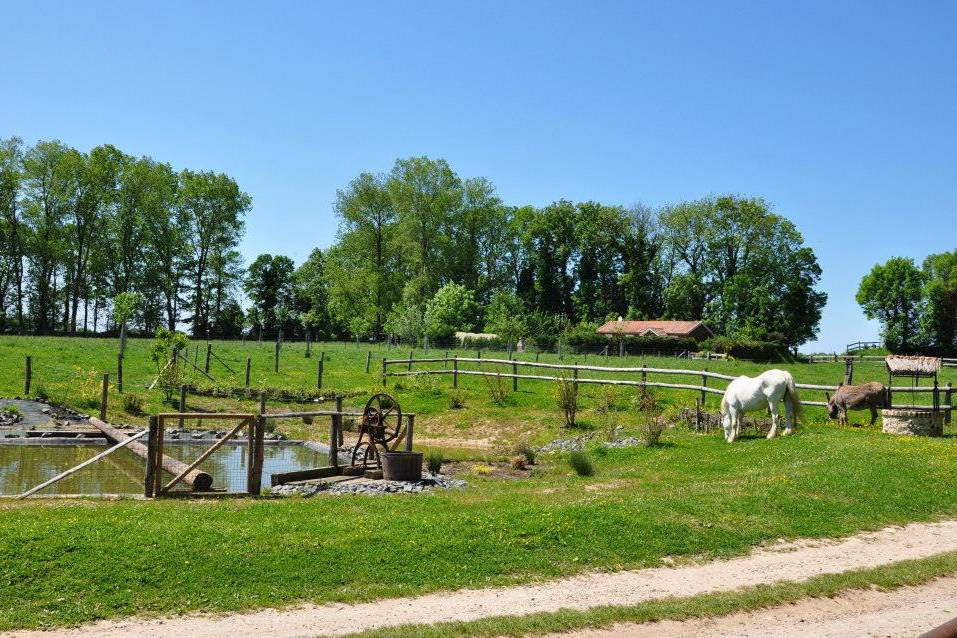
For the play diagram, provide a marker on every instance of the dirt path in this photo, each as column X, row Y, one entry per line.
column 782, row 562
column 908, row 611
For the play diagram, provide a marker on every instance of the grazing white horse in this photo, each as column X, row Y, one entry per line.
column 766, row 390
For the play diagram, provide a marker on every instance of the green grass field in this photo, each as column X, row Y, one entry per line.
column 66, row 562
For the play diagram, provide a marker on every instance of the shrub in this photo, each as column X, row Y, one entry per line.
column 646, row 402
column 581, row 463
column 517, row 462
column 132, row 403
column 456, row 400
column 650, row 429
column 526, row 451
column 482, row 469
column 497, row 389
column 434, row 461
column 566, row 396
column 608, row 397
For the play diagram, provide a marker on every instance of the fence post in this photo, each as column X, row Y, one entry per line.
column 368, row 360
column 445, row 364
column 149, row 480
column 276, row 358
column 514, row 376
column 249, row 363
column 948, row 398
column 119, row 373
column 182, row 404
column 537, row 352
column 575, row 376
column 308, row 344
column 259, row 426
column 704, row 384
column 848, row 371
column 335, row 427
column 411, row 352
column 410, row 424
column 28, row 377
column 322, row 365
column 383, row 372
column 209, row 353
column 478, row 354
column 104, row 396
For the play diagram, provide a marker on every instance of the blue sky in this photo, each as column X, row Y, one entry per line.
column 841, row 114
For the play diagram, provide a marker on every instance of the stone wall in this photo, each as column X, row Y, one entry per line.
column 914, row 422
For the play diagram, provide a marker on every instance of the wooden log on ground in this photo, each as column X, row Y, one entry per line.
column 199, row 481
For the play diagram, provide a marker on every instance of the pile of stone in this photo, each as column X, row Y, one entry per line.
column 428, row 482
column 579, row 443
column 202, row 435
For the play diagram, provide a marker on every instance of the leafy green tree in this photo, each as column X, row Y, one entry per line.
column 312, row 296
column 505, row 316
column 939, row 324
column 270, row 285
column 12, row 232
column 406, row 321
column 453, row 308
column 892, row 293
column 213, row 208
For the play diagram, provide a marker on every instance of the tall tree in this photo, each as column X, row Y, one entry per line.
column 270, row 285
column 12, row 232
column 213, row 209
column 892, row 293
column 940, row 292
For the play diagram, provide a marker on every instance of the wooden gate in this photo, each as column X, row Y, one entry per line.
column 190, row 474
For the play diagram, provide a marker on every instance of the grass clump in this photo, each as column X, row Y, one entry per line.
column 132, row 404
column 457, row 400
column 581, row 462
column 498, row 391
column 13, row 410
column 482, row 469
column 526, row 451
column 650, row 429
column 434, row 461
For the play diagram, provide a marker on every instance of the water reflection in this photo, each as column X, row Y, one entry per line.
column 24, row 466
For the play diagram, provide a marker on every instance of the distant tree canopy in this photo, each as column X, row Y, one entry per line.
column 916, row 306
column 420, row 251
column 78, row 230
column 730, row 261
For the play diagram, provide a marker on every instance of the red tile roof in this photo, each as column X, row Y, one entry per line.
column 658, row 327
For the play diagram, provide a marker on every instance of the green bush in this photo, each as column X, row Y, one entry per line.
column 434, row 461
column 132, row 403
column 740, row 348
column 456, row 400
column 581, row 463
column 566, row 396
column 522, row 448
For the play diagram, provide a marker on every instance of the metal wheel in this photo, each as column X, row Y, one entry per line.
column 383, row 418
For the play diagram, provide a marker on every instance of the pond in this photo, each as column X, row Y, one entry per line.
column 24, row 466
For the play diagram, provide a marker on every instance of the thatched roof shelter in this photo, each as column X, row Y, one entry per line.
column 912, row 366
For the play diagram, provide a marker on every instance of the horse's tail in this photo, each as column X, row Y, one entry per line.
column 792, row 397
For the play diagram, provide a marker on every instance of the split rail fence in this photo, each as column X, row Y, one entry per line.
column 572, row 372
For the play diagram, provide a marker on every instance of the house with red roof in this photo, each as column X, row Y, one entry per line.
column 659, row 328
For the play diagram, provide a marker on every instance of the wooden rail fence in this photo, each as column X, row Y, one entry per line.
column 575, row 371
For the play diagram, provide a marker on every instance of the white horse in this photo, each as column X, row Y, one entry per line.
column 745, row 394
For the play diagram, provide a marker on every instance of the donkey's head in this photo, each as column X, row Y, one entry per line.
column 831, row 405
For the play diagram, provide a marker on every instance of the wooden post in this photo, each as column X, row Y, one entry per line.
column 445, row 364
column 260, row 427
column 151, row 464
column 322, row 365
column 455, row 372
column 119, row 373
column 334, row 428
column 575, row 376
column 704, row 384
column 28, row 377
column 308, row 344
column 411, row 352
column 368, row 360
column 948, row 399
column 478, row 354
column 209, row 353
column 848, row 371
column 249, row 363
column 514, row 376
column 383, row 372
column 537, row 352
column 276, row 357
column 104, row 396
column 182, row 404
column 251, row 457
column 159, row 461
column 262, row 403
column 621, row 348
column 410, row 425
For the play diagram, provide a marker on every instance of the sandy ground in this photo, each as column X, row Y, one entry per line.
column 908, row 611
column 796, row 561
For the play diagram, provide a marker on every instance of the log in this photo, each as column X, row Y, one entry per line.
column 199, row 481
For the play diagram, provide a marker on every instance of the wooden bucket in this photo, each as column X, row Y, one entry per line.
column 402, row 466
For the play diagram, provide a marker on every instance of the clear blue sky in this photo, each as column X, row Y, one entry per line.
column 842, row 114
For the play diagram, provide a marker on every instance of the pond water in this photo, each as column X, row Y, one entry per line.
column 24, row 466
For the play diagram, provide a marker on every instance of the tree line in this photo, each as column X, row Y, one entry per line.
column 420, row 252
column 77, row 229
column 916, row 305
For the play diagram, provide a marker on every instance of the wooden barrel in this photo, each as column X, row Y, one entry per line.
column 402, row 466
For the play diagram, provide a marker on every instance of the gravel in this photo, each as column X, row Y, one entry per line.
column 428, row 483
column 579, row 443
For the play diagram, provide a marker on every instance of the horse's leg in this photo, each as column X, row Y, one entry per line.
column 738, row 418
column 774, row 420
column 788, row 416
column 873, row 414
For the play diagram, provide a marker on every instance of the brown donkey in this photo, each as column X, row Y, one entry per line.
column 870, row 396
